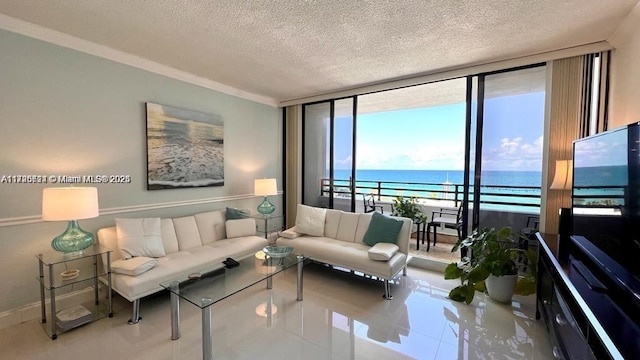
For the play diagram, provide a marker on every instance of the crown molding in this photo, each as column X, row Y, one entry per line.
column 61, row 39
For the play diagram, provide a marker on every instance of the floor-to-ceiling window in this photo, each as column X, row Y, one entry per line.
column 417, row 141
column 411, row 143
column 510, row 124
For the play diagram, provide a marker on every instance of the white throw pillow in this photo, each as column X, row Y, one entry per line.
column 290, row 233
column 383, row 251
column 139, row 237
column 134, row 266
column 310, row 220
column 240, row 227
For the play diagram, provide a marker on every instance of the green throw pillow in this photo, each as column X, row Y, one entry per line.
column 235, row 214
column 382, row 229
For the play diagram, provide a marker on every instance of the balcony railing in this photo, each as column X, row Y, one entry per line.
column 504, row 197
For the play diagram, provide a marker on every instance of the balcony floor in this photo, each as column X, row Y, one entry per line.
column 441, row 252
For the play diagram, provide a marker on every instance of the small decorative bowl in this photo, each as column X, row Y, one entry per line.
column 278, row 252
column 70, row 274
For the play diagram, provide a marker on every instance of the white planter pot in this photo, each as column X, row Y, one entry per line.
column 500, row 288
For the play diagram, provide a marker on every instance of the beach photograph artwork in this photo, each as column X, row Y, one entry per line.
column 185, row 148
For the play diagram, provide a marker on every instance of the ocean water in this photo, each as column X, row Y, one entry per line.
column 503, row 178
column 600, row 185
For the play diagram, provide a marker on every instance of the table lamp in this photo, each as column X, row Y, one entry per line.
column 563, row 180
column 265, row 187
column 70, row 204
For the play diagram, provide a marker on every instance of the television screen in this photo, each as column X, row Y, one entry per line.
column 605, row 194
column 600, row 174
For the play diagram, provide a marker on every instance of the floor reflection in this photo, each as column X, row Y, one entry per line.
column 343, row 316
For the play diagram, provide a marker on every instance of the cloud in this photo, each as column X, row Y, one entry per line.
column 514, row 154
column 409, row 156
column 510, row 146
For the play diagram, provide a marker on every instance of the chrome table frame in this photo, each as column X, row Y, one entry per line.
column 207, row 302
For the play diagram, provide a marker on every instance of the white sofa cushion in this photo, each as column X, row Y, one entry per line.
column 211, row 225
column 139, row 237
column 350, row 255
column 169, row 239
column 134, row 266
column 310, row 220
column 382, row 251
column 363, row 226
column 187, row 232
column 201, row 259
column 347, row 227
column 331, row 223
column 240, row 227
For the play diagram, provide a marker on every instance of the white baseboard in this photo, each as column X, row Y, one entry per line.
column 33, row 311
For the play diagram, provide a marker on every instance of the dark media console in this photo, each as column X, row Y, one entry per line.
column 590, row 310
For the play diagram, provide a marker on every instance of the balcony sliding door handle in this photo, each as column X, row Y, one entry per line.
column 557, row 353
column 560, row 320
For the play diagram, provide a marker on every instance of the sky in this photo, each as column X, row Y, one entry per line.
column 433, row 138
column 603, row 150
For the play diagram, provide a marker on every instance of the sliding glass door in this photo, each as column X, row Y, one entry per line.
column 508, row 152
column 328, row 154
column 474, row 142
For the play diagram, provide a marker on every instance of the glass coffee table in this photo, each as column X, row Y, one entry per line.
column 220, row 284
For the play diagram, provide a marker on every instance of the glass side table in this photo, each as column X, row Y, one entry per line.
column 268, row 225
column 55, row 279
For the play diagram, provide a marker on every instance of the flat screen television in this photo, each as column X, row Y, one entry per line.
column 606, row 194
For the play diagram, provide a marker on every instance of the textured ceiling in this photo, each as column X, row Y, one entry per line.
column 286, row 49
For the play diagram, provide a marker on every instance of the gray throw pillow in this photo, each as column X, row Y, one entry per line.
column 235, row 214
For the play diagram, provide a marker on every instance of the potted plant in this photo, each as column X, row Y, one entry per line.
column 409, row 208
column 491, row 263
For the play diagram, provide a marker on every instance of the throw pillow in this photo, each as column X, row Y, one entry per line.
column 310, row 220
column 290, row 233
column 382, row 229
column 234, row 214
column 139, row 237
column 383, row 251
column 134, row 266
column 240, row 227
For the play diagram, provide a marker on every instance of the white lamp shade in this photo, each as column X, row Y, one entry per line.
column 69, row 203
column 265, row 187
column 563, row 178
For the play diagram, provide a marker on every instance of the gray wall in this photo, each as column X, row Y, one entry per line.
column 65, row 112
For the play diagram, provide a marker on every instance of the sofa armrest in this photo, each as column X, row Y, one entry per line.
column 404, row 235
column 290, row 233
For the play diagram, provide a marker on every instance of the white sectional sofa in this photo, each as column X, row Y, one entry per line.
column 171, row 248
column 339, row 238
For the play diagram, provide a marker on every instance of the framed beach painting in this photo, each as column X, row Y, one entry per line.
column 185, row 148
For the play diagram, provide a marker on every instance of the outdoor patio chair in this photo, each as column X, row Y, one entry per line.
column 370, row 204
column 444, row 217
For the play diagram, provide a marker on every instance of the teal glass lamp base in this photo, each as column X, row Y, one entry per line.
column 74, row 240
column 266, row 207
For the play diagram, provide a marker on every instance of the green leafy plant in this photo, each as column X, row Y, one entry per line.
column 409, row 208
column 490, row 252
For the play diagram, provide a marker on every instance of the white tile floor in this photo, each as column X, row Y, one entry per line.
column 342, row 317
